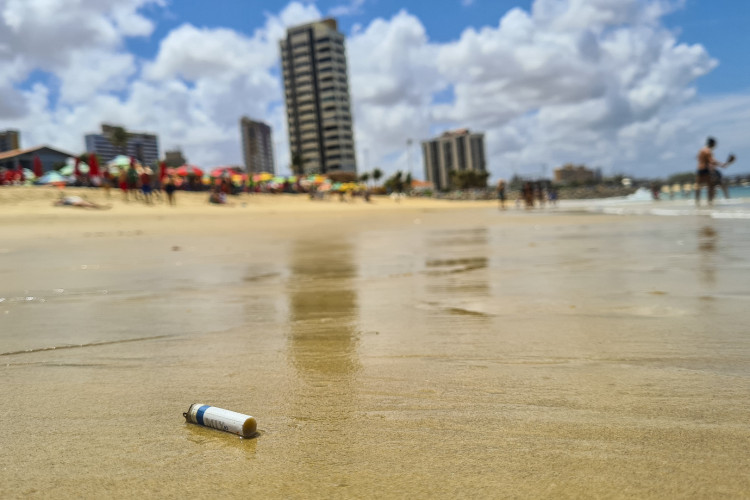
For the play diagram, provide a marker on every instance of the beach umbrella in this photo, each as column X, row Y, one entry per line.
column 94, row 165
column 189, row 170
column 162, row 171
column 262, row 177
column 228, row 171
column 120, row 162
column 70, row 167
column 76, row 170
column 38, row 168
column 28, row 174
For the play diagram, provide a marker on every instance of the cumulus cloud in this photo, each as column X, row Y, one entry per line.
column 571, row 77
column 393, row 78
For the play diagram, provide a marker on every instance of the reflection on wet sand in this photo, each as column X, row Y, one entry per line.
column 322, row 308
column 458, row 263
column 708, row 239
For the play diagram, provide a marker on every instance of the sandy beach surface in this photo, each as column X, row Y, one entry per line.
column 420, row 349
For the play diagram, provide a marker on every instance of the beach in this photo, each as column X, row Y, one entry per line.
column 412, row 349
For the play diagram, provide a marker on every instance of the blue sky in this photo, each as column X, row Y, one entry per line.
column 719, row 25
column 631, row 86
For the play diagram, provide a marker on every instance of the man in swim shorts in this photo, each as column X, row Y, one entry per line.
column 706, row 166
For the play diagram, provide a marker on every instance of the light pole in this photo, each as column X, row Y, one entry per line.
column 408, row 156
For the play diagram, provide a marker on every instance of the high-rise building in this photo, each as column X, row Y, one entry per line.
column 10, row 140
column 257, row 146
column 316, row 83
column 456, row 150
column 142, row 146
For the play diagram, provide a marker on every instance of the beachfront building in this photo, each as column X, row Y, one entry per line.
column 572, row 174
column 257, row 146
column 10, row 140
column 24, row 158
column 141, row 145
column 174, row 158
column 459, row 150
column 318, row 106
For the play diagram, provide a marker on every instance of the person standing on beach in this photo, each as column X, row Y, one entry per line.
column 169, row 188
column 704, row 176
column 501, row 193
column 707, row 170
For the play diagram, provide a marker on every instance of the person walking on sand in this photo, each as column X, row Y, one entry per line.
column 501, row 193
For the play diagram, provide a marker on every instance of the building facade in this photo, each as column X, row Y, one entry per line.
column 10, row 140
column 316, row 84
column 456, row 150
column 257, row 146
column 142, row 146
column 572, row 174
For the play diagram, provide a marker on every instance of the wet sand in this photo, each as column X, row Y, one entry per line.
column 423, row 349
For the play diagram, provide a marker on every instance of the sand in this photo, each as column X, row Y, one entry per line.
column 421, row 349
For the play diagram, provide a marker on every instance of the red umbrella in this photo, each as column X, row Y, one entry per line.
column 189, row 170
column 219, row 171
column 20, row 175
column 93, row 165
column 77, row 172
column 38, row 168
column 162, row 171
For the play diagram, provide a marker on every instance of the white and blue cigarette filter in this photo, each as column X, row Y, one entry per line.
column 223, row 420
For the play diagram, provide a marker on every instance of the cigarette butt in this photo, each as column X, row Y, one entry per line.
column 223, row 420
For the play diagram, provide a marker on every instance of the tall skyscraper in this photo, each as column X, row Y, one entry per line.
column 142, row 146
column 257, row 146
column 456, row 150
column 10, row 140
column 319, row 117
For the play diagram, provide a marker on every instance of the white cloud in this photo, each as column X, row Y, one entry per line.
column 350, row 9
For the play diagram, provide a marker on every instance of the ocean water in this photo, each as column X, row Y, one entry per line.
column 737, row 206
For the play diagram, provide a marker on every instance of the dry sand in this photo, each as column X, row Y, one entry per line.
column 423, row 349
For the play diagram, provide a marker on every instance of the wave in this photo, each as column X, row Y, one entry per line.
column 737, row 206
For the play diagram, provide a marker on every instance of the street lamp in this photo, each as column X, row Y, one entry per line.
column 408, row 156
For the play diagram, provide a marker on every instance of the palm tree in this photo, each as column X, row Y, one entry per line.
column 365, row 177
column 377, row 174
column 119, row 139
